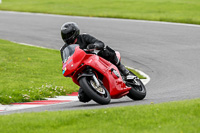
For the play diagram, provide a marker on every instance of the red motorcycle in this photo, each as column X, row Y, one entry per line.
column 99, row 79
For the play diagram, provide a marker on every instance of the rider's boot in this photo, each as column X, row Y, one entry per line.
column 123, row 69
column 82, row 96
column 125, row 72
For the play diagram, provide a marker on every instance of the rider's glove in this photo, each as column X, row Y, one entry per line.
column 91, row 46
column 95, row 46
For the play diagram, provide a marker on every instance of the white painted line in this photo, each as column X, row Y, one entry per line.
column 49, row 101
column 16, row 107
column 144, row 81
column 73, row 98
column 115, row 19
column 31, row 45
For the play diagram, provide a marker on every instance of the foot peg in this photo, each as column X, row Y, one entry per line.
column 132, row 79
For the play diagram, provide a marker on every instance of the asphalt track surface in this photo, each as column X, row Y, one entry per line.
column 169, row 53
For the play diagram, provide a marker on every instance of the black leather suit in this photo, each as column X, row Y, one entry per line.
column 107, row 53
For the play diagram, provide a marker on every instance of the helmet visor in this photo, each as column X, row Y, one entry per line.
column 69, row 35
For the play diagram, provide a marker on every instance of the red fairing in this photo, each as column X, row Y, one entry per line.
column 73, row 62
column 112, row 79
column 114, row 84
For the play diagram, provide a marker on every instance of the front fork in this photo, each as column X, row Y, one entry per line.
column 95, row 83
column 96, row 80
column 89, row 73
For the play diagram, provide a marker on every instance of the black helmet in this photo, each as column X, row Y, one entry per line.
column 69, row 32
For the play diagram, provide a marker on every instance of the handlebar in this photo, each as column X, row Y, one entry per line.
column 91, row 51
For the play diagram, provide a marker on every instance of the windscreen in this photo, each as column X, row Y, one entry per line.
column 68, row 51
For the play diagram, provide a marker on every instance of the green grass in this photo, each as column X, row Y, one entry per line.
column 31, row 73
column 173, row 117
column 137, row 73
column 185, row 11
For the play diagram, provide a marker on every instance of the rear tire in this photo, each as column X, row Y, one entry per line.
column 137, row 92
column 85, row 83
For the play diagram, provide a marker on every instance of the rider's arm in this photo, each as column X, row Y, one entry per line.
column 92, row 40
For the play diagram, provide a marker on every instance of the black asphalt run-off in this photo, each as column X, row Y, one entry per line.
column 169, row 53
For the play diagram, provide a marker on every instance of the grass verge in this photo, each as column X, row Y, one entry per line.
column 173, row 117
column 31, row 73
column 184, row 11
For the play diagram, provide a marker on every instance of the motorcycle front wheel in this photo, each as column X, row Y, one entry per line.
column 98, row 94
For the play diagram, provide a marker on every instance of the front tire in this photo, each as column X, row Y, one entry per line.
column 86, row 84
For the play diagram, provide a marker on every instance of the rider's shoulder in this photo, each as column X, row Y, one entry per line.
column 85, row 34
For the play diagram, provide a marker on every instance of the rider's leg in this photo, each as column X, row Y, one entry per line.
column 110, row 55
column 82, row 96
column 120, row 66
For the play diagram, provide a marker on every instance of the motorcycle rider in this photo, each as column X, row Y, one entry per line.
column 70, row 34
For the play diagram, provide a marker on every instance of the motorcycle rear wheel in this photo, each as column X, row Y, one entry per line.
column 85, row 83
column 137, row 92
